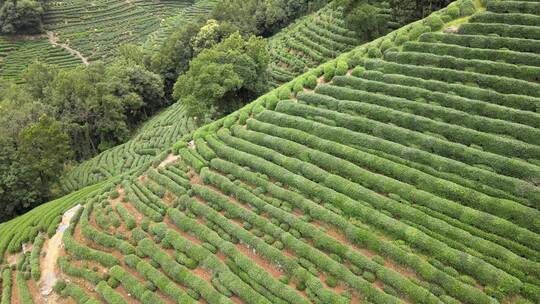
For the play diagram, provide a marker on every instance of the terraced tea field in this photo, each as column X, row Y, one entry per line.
column 81, row 31
column 404, row 171
column 152, row 139
column 16, row 55
column 311, row 41
column 157, row 136
column 97, row 28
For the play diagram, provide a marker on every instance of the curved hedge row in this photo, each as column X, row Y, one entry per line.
column 474, row 266
column 134, row 287
column 109, row 294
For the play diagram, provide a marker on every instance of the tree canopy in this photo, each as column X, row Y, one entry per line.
column 225, row 76
column 21, row 17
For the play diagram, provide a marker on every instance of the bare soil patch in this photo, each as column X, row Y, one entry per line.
column 171, row 158
column 52, row 248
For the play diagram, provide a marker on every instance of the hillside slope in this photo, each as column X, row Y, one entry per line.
column 83, row 31
column 17, row 54
column 405, row 171
column 164, row 129
column 311, row 41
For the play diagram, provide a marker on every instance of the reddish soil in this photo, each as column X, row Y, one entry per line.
column 134, row 212
column 252, row 255
column 34, row 291
column 14, row 289
column 236, row 299
column 120, row 198
column 121, row 290
column 195, row 178
column 341, row 287
column 184, row 234
column 143, row 178
column 203, row 274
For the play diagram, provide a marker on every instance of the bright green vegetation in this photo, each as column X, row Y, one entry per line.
column 163, row 130
column 96, row 29
column 16, row 55
column 169, row 24
column 43, row 218
column 404, row 171
column 311, row 41
column 155, row 136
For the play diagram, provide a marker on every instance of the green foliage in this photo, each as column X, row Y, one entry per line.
column 21, row 17
column 133, row 286
column 109, row 294
column 411, row 10
column 24, row 294
column 6, row 286
column 434, row 22
column 78, row 294
column 224, row 77
column 87, row 274
column 59, row 286
column 35, row 256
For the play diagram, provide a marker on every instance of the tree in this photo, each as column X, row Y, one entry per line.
column 262, row 17
column 18, row 190
column 21, row 17
column 225, row 76
column 141, row 91
column 32, row 154
column 45, row 147
column 37, row 76
column 174, row 56
column 408, row 11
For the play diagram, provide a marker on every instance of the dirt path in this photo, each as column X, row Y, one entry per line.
column 53, row 39
column 48, row 263
column 170, row 159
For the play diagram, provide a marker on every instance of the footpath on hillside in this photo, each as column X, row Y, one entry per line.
column 52, row 250
column 53, row 39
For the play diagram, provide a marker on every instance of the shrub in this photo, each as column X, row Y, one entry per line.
column 329, row 71
column 369, row 276
column 434, row 22
column 331, row 281
column 341, row 68
column 59, row 286
column 378, row 259
column 6, row 286
column 114, row 194
column 466, row 8
column 310, row 81
column 109, row 294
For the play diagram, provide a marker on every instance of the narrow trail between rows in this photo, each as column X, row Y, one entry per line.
column 52, row 250
column 53, row 39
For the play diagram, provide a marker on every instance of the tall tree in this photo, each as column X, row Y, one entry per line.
column 225, row 76
column 21, row 17
column 45, row 147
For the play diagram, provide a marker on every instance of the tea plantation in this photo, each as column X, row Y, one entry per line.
column 15, row 55
column 95, row 29
column 404, row 171
column 162, row 131
column 311, row 41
